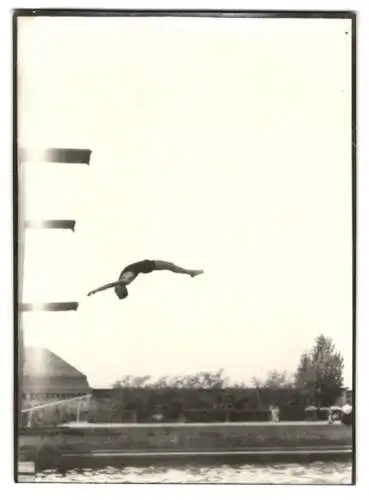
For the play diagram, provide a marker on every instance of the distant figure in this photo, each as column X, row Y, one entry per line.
column 274, row 413
column 157, row 416
column 333, row 414
column 347, row 414
column 131, row 272
column 330, row 416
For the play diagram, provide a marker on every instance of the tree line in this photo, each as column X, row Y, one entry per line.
column 318, row 378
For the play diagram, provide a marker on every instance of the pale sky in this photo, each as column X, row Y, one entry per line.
column 217, row 144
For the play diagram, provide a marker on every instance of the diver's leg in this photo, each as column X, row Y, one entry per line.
column 161, row 265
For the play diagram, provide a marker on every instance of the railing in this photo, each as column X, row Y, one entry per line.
column 57, row 412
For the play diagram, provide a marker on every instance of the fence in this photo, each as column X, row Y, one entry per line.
column 57, row 412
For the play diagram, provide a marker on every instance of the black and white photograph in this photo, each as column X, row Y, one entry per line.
column 185, row 246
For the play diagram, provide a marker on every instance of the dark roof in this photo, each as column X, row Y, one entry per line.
column 44, row 371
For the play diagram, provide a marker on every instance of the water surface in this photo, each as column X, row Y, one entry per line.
column 290, row 473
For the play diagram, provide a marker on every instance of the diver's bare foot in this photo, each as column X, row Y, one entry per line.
column 195, row 273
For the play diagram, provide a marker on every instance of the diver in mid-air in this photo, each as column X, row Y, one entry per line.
column 131, row 272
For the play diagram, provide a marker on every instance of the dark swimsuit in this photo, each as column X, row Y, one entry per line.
column 143, row 266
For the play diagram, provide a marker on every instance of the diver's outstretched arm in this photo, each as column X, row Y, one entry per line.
column 106, row 287
column 161, row 265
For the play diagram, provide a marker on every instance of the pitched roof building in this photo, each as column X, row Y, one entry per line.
column 47, row 376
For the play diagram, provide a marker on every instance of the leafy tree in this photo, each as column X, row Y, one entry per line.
column 205, row 380
column 133, row 381
column 277, row 380
column 276, row 388
column 319, row 376
column 200, row 380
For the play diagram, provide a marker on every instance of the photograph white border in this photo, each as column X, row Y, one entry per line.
column 6, row 261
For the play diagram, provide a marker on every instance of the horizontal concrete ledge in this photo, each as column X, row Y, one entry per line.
column 26, row 467
column 57, row 155
column 67, row 224
column 49, row 307
column 251, row 452
column 99, row 445
column 25, row 478
column 169, row 425
column 67, row 461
